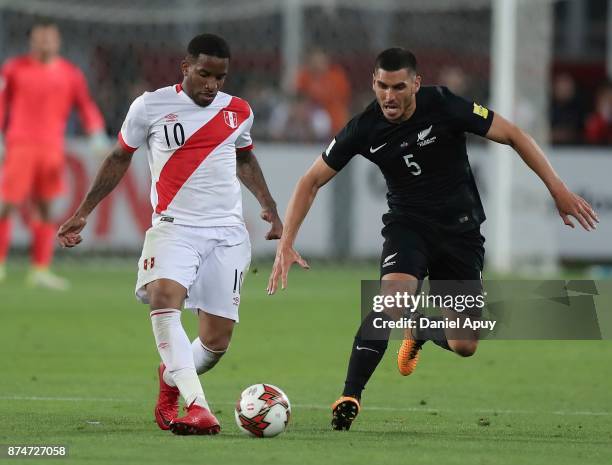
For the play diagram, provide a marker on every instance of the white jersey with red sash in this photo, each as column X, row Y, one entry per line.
column 192, row 154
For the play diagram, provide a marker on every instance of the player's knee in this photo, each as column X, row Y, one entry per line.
column 464, row 348
column 218, row 341
column 163, row 297
column 392, row 287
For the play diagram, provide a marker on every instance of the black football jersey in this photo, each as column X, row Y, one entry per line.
column 423, row 159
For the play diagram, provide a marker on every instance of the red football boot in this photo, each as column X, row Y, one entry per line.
column 167, row 406
column 197, row 421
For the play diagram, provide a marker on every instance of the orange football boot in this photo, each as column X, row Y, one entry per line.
column 408, row 355
column 344, row 411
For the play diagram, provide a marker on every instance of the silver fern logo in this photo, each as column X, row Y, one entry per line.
column 424, row 133
column 422, row 139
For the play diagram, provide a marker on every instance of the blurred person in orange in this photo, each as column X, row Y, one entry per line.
column 38, row 91
column 598, row 127
column 327, row 85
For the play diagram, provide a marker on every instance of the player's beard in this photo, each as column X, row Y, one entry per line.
column 205, row 99
column 397, row 110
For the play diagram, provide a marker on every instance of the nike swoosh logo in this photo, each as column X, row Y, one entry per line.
column 374, row 150
column 366, row 348
column 390, row 257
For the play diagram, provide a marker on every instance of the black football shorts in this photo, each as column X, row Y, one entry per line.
column 452, row 261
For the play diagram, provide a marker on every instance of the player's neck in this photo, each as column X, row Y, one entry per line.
column 187, row 90
column 43, row 58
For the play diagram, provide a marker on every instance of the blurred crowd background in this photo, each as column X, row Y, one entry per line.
column 305, row 66
column 304, row 88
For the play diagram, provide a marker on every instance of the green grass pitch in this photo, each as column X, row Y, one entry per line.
column 79, row 368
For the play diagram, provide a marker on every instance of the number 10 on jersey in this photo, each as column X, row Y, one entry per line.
column 179, row 134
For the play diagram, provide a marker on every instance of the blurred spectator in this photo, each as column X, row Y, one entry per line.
column 598, row 127
column 456, row 80
column 458, row 83
column 566, row 111
column 299, row 120
column 464, row 84
column 327, row 85
column 263, row 99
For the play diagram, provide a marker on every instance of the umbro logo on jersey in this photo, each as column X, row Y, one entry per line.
column 387, row 261
column 230, row 118
column 422, row 140
column 170, row 117
column 374, row 150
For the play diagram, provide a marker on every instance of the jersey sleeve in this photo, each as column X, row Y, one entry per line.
column 244, row 141
column 344, row 146
column 5, row 72
column 135, row 127
column 91, row 118
column 467, row 116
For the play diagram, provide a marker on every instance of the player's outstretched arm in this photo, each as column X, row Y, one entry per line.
column 568, row 203
column 301, row 200
column 110, row 173
column 250, row 174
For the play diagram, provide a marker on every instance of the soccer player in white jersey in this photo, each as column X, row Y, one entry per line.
column 195, row 254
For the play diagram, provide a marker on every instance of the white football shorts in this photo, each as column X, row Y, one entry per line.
column 210, row 262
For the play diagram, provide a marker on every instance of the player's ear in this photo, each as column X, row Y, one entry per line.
column 417, row 84
column 185, row 67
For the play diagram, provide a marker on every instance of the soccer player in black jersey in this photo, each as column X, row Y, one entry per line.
column 416, row 136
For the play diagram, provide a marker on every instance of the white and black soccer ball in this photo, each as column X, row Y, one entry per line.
column 263, row 411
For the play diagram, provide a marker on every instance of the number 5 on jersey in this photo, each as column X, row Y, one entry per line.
column 416, row 169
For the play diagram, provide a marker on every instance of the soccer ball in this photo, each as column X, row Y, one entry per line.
column 263, row 411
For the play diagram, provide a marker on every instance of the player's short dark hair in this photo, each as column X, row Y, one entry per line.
column 396, row 58
column 208, row 44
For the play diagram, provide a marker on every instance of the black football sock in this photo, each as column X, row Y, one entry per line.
column 435, row 335
column 368, row 349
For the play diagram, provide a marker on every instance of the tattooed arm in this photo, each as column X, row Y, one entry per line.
column 110, row 173
column 250, row 174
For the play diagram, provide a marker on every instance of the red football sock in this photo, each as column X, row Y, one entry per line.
column 5, row 238
column 43, row 235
